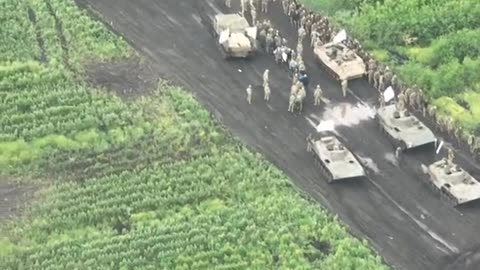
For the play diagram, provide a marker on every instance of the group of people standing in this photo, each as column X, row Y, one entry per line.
column 379, row 75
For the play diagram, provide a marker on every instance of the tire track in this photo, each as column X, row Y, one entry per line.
column 60, row 34
column 32, row 16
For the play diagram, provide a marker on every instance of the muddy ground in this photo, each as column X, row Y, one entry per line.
column 13, row 198
column 405, row 221
column 127, row 78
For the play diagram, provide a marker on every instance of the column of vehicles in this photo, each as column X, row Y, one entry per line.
column 237, row 39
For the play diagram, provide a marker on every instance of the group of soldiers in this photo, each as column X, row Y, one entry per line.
column 320, row 31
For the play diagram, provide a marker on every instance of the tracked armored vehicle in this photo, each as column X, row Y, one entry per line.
column 235, row 37
column 455, row 184
column 335, row 161
column 339, row 61
column 403, row 129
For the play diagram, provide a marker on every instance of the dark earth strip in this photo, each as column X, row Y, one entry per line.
column 60, row 34
column 32, row 16
column 405, row 221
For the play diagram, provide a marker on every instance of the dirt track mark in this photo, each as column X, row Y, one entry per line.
column 61, row 35
column 32, row 16
column 13, row 198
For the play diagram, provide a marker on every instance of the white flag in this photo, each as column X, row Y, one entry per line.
column 224, row 35
column 341, row 36
column 284, row 56
column 389, row 94
column 328, row 125
column 439, row 147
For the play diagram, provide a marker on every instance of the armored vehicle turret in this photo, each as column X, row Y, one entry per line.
column 235, row 37
column 334, row 160
column 403, row 129
column 455, row 184
column 339, row 61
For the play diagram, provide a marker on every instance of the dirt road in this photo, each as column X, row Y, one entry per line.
column 405, row 221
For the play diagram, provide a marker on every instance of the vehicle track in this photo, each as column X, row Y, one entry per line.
column 404, row 220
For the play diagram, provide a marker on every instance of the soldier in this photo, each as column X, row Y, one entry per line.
column 450, row 156
column 372, row 64
column 277, row 40
column 299, row 48
column 381, row 84
column 432, row 110
column 293, row 65
column 278, row 55
column 471, row 142
column 265, row 77
column 401, row 102
column 262, row 36
column 450, row 125
column 291, row 103
column 313, row 38
column 394, row 82
column 398, row 152
column 285, row 6
column 309, row 146
column 253, row 13
column 228, row 3
column 376, row 77
column 264, row 6
column 301, row 32
column 408, row 91
column 268, row 42
column 412, row 98
column 370, row 76
column 318, row 95
column 381, row 100
column 344, row 87
column 267, row 92
column 249, row 94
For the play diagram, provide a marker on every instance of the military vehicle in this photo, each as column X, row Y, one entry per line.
column 335, row 161
column 339, row 61
column 235, row 37
column 455, row 184
column 403, row 129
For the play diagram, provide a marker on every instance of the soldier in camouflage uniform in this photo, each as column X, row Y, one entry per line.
column 408, row 91
column 370, row 76
column 318, row 95
column 264, row 6
column 381, row 84
column 376, row 77
column 450, row 156
column 432, row 111
column 266, row 77
column 249, row 94
column 412, row 98
column 344, row 87
column 268, row 43
column 285, row 6
column 267, row 92
column 381, row 100
column 394, row 82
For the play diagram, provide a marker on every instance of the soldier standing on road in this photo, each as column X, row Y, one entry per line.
column 268, row 42
column 267, row 92
column 249, row 94
column 264, row 6
column 398, row 152
column 285, row 6
column 318, row 95
column 309, row 145
column 412, row 98
column 262, row 36
column 450, row 156
column 394, row 82
column 376, row 77
column 381, row 84
column 301, row 33
column 432, row 111
column 381, row 100
column 344, row 87
column 265, row 77
column 370, row 76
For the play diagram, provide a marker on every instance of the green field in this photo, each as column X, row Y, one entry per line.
column 129, row 182
column 443, row 58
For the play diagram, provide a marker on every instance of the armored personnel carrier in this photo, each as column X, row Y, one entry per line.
column 455, row 184
column 236, row 39
column 339, row 61
column 335, row 161
column 403, row 129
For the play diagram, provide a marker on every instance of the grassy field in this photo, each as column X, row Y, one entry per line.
column 443, row 58
column 137, row 182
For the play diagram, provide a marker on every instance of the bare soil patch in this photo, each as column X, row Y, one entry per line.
column 13, row 199
column 127, row 78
